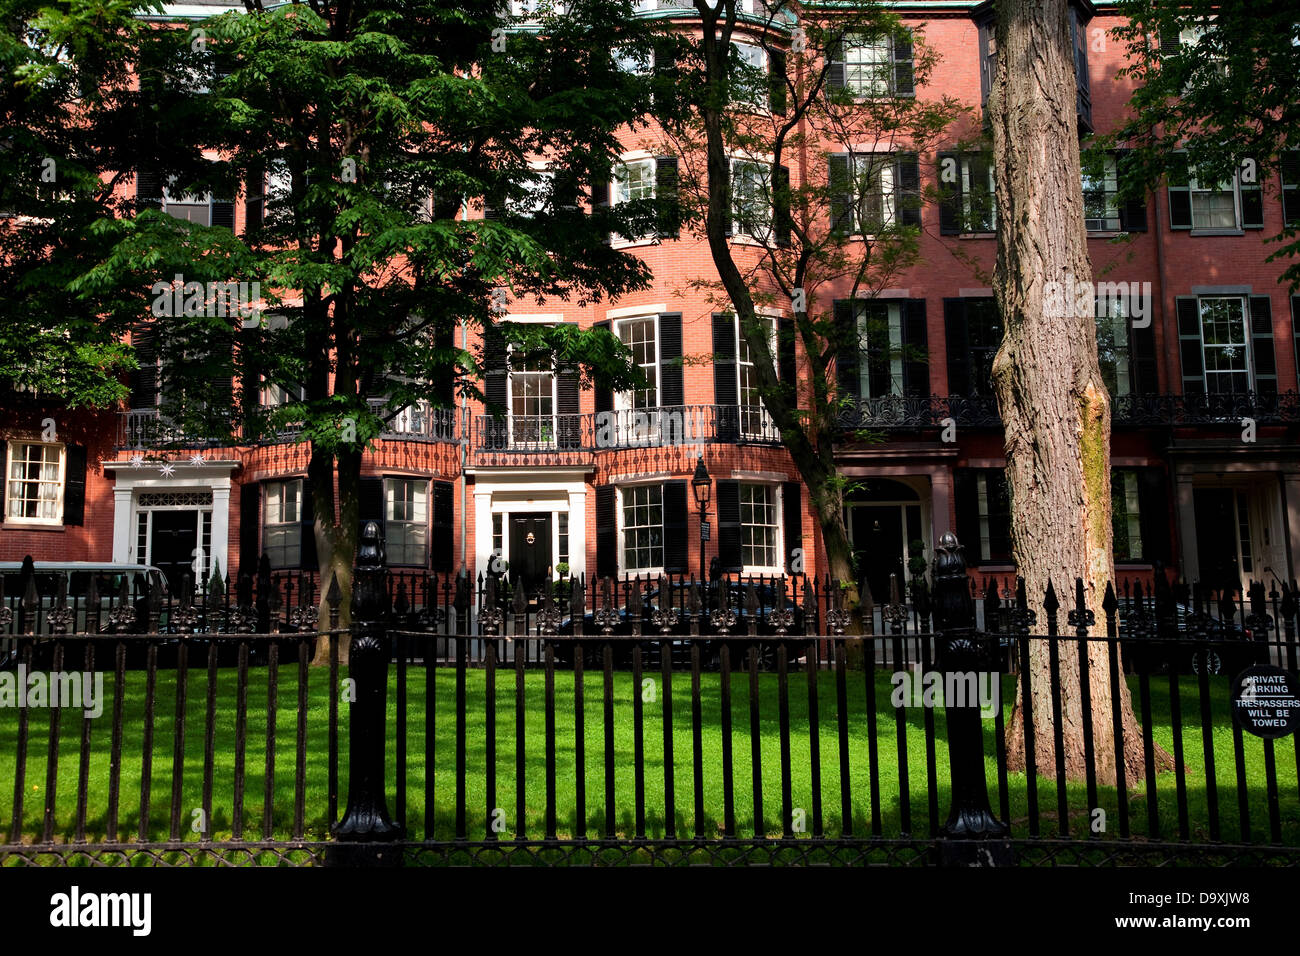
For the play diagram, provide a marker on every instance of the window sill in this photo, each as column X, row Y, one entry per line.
column 1108, row 233
column 978, row 235
column 751, row 241
column 17, row 524
column 1216, row 232
column 635, row 243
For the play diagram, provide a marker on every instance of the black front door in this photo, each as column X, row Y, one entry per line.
column 174, row 536
column 878, row 544
column 530, row 551
column 1216, row 537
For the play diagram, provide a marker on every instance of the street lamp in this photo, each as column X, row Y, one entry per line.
column 702, row 486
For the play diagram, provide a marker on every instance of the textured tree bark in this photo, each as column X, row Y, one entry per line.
column 1054, row 404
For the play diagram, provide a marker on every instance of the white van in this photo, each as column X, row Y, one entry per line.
column 108, row 578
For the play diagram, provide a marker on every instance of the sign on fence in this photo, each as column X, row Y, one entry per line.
column 1265, row 702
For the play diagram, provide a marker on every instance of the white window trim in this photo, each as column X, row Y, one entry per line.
column 767, row 424
column 888, row 66
column 778, row 501
column 268, row 524
column 57, row 520
column 622, row 401
column 737, row 236
column 621, row 550
column 510, row 406
column 1248, row 346
column 428, row 513
column 966, row 197
column 628, row 159
column 894, row 321
column 762, row 106
column 1109, row 181
column 888, row 215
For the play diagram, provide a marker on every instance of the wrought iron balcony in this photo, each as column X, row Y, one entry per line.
column 561, row 439
column 903, row 412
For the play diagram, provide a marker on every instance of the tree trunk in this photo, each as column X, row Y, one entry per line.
column 1054, row 404
column 336, row 541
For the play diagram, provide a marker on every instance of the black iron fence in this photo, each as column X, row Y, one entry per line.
column 640, row 721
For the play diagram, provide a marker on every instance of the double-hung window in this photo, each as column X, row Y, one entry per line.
column 34, row 485
column 966, row 184
column 1126, row 515
column 643, row 528
column 532, row 400
column 282, row 528
column 754, row 420
column 749, row 82
column 406, row 520
column 760, row 527
column 872, row 66
column 751, row 199
column 1201, row 203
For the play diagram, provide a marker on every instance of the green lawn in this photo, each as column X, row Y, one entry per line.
column 442, row 778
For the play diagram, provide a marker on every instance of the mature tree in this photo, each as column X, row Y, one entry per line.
column 1217, row 80
column 1054, row 404
column 360, row 134
column 847, row 225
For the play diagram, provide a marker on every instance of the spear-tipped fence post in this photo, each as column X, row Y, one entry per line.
column 365, row 821
column 972, row 835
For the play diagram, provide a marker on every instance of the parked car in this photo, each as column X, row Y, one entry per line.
column 1235, row 647
column 737, row 642
column 108, row 578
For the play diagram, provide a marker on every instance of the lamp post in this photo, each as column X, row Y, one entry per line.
column 702, row 487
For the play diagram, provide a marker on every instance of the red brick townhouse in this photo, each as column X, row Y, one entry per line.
column 603, row 482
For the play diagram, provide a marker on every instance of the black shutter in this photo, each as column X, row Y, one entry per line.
column 1189, row 345
column 954, row 321
column 444, row 379
column 1261, row 341
column 250, row 397
column 916, row 362
column 840, row 182
column 787, row 371
column 606, row 532
column 370, row 503
column 665, row 69
column 782, row 223
column 729, row 553
column 967, row 504
column 74, row 485
column 671, row 391
column 1290, row 187
column 604, row 395
column 221, row 396
column 879, row 349
column 495, row 371
column 666, row 198
column 307, row 525
column 776, row 92
column 726, row 387
column 250, row 520
column 948, row 171
column 1169, row 44
column 1180, row 193
column 1295, row 329
column 1252, row 197
column 835, row 77
column 223, row 213
column 1142, row 360
column 568, row 423
column 676, row 549
column 144, row 379
column 904, row 81
column 1153, row 514
column 907, row 189
column 254, row 200
column 4, row 474
column 442, row 551
column 988, row 59
column 849, row 353
column 1132, row 212
column 148, row 188
column 792, row 521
